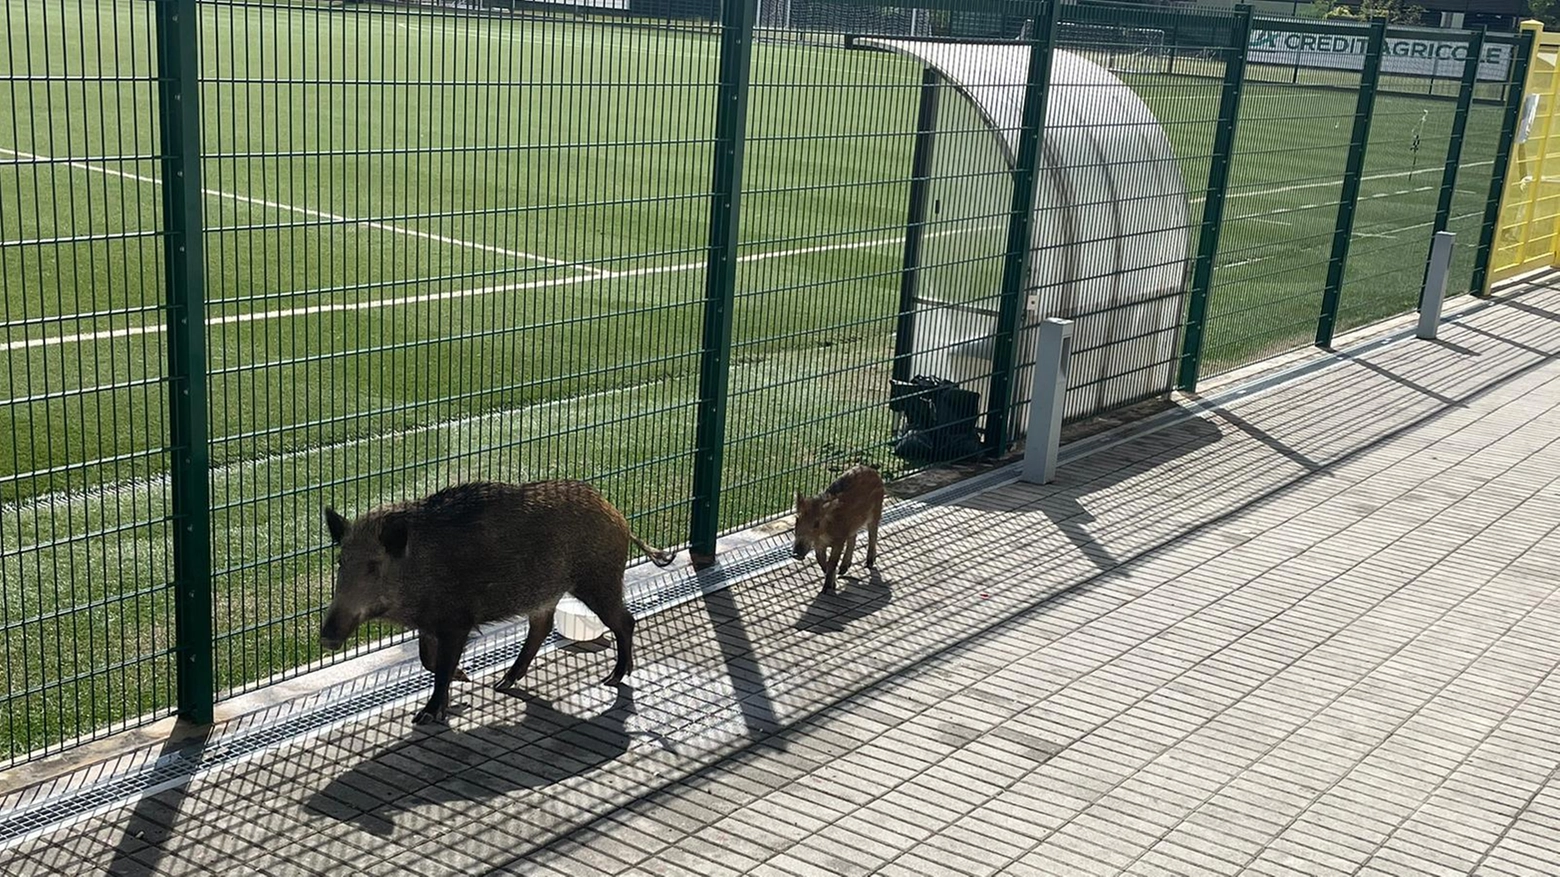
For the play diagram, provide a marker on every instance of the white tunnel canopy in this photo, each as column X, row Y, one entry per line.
column 1110, row 229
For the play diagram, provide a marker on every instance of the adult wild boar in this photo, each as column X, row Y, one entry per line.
column 477, row 553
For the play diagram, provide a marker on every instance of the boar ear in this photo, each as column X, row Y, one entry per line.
column 337, row 525
column 392, row 535
column 801, row 499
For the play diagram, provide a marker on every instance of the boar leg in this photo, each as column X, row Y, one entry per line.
column 828, row 569
column 608, row 606
column 446, row 660
column 536, row 633
column 427, row 649
column 850, row 551
column 872, row 528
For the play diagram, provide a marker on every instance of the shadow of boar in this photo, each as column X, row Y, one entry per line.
column 833, row 613
column 485, row 763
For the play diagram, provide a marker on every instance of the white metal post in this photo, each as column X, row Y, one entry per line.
column 1434, row 293
column 1053, row 358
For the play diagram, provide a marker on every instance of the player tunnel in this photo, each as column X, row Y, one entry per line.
column 1110, row 229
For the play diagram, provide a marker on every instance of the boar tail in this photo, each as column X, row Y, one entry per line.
column 656, row 555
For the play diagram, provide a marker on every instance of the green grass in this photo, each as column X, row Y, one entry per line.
column 531, row 301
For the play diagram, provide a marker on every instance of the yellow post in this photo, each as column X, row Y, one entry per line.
column 1517, row 208
column 1524, row 168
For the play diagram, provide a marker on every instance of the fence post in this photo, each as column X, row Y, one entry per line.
column 720, row 281
column 1454, row 147
column 178, row 72
column 1020, row 242
column 1522, row 56
column 1354, row 171
column 915, row 226
column 1213, row 204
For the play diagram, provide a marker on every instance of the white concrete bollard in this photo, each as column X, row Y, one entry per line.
column 1053, row 360
column 1434, row 293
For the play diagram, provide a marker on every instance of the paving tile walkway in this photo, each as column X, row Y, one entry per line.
column 1314, row 631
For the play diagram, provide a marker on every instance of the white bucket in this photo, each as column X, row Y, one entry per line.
column 576, row 622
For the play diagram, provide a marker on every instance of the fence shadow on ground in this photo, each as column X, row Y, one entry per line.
column 150, row 822
column 1012, row 538
column 565, row 746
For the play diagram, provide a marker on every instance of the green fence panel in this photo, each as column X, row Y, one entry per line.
column 1127, row 207
column 88, row 605
column 1353, row 178
column 1413, row 145
column 442, row 245
column 1290, row 157
column 1485, row 121
column 1459, row 135
column 1213, row 205
column 848, row 143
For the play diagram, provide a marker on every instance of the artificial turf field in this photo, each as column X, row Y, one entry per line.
column 442, row 246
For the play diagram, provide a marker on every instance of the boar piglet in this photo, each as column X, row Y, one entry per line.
column 478, row 553
column 829, row 522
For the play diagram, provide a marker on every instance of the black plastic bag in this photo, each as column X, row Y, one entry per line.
column 939, row 420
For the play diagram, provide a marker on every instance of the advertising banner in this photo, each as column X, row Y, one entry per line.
column 1346, row 51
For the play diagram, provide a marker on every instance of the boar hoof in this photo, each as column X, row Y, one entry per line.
column 429, row 717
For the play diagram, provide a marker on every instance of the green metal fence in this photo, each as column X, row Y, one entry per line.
column 258, row 256
column 1340, row 173
column 89, row 614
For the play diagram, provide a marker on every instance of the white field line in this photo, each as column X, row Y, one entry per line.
column 1260, row 217
column 310, row 212
column 1390, row 234
column 55, row 498
column 677, row 45
column 1325, row 184
column 454, row 295
column 1243, row 262
column 310, row 310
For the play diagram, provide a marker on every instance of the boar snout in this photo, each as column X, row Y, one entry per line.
column 799, row 550
column 334, row 632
